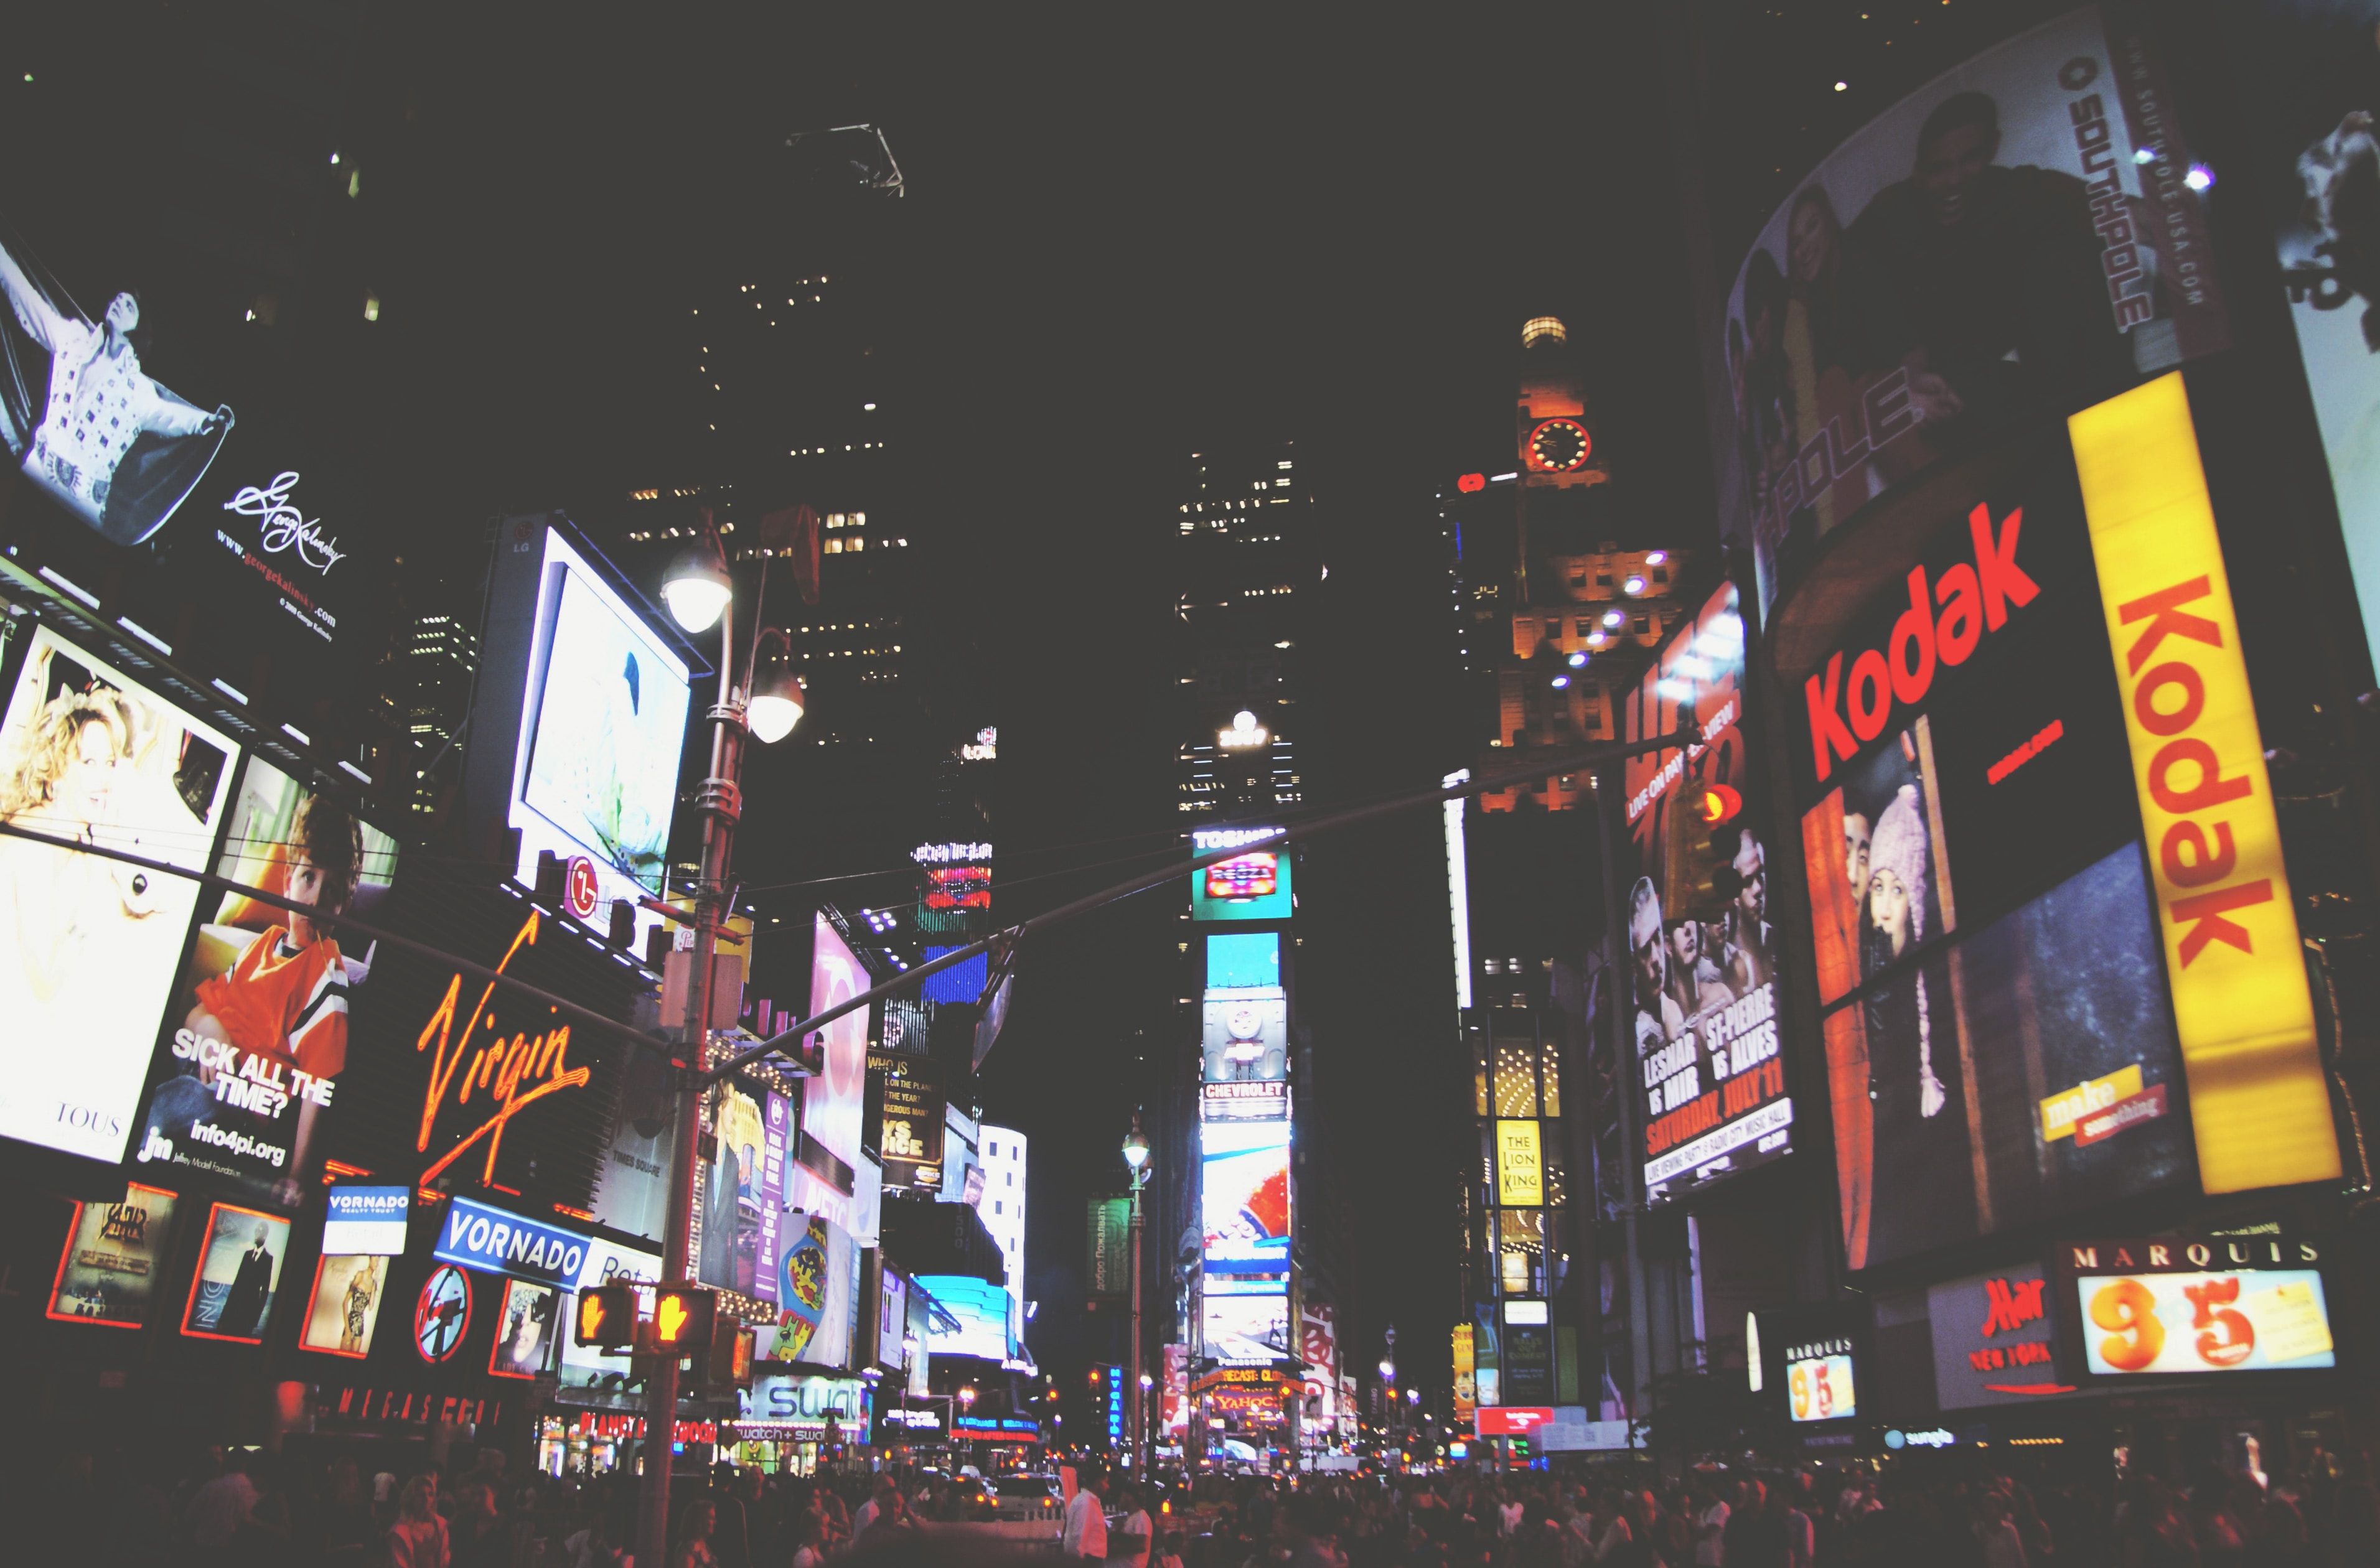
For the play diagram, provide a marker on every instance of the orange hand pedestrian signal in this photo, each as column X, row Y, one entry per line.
column 607, row 1317
column 1718, row 804
column 683, row 1317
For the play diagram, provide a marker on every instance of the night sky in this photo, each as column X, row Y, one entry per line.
column 1135, row 232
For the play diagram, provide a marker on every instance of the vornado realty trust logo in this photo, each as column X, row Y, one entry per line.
column 1973, row 599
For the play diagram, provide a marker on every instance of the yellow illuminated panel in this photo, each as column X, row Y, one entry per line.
column 2259, row 1104
column 1520, row 1168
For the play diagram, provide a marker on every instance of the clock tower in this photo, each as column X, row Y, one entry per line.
column 1556, row 440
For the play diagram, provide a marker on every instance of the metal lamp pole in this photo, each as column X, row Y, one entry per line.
column 698, row 592
column 1136, row 1154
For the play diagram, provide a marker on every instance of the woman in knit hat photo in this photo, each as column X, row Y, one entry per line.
column 1922, row 1189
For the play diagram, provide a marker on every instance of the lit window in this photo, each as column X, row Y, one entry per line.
column 372, row 307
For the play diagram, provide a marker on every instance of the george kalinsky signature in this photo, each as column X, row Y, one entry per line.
column 284, row 526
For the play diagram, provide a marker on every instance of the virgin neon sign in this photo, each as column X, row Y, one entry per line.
column 514, row 1073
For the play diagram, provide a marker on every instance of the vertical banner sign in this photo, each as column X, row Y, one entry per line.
column 2259, row 1104
column 1519, row 1173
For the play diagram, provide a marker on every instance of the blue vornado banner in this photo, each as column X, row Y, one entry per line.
column 476, row 1236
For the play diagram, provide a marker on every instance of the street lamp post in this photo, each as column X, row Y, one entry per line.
column 699, row 592
column 1136, row 1154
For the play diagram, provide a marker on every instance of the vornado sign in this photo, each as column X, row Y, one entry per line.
column 2259, row 1104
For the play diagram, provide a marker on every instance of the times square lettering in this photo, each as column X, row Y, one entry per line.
column 1974, row 598
column 501, row 1067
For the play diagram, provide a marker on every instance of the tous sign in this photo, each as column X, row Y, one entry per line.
column 515, row 1072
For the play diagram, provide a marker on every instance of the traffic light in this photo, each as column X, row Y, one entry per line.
column 607, row 1317
column 1718, row 805
column 684, row 1316
column 729, row 1362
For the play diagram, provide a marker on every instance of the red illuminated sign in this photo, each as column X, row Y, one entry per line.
column 958, row 888
column 1470, row 484
column 1244, row 876
column 514, row 1073
column 2013, row 1303
column 578, row 888
column 1513, row 1420
column 1974, row 599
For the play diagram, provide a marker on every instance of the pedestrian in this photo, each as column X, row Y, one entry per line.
column 1710, row 1526
column 808, row 1550
column 695, row 1526
column 1086, row 1533
column 1135, row 1532
column 418, row 1539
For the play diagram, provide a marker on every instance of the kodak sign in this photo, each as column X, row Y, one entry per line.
column 2259, row 1104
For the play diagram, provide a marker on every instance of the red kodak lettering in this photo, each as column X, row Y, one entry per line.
column 2004, row 582
column 2161, row 610
column 2204, row 864
column 1913, row 673
column 1962, row 613
column 1828, row 738
column 2204, row 914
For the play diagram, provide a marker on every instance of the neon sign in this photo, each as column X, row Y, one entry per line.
column 515, row 1072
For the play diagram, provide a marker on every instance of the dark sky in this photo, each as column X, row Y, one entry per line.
column 1135, row 231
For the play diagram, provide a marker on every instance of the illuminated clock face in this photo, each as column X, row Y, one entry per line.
column 443, row 1315
column 1560, row 445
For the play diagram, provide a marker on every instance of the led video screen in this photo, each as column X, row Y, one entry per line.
column 1245, row 1179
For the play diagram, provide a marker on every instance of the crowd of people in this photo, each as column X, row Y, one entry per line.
column 261, row 1510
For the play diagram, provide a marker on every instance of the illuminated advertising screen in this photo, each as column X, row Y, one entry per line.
column 2199, row 1306
column 832, row 1102
column 1244, row 1174
column 1255, row 886
column 113, row 1255
column 344, row 1308
column 580, row 672
column 2314, row 84
column 1249, row 962
column 239, row 1276
column 359, row 1220
column 1995, row 1339
column 817, row 1295
column 88, row 754
column 1246, row 1329
column 727, row 1233
column 980, row 1310
column 529, row 1322
column 2020, row 236
column 1710, row 1061
column 1985, row 950
column 2033, row 1004
column 1246, row 1034
column 256, row 1032
column 1818, row 1383
column 913, row 1120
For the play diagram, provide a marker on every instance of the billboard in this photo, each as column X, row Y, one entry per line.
column 1702, row 951
column 1520, row 1164
column 911, row 1128
column 1466, row 1382
column 1248, row 961
column 239, row 1276
column 2022, row 235
column 345, row 1307
column 255, row 1034
column 593, row 692
column 817, row 1295
column 2316, row 87
column 475, row 1235
column 632, row 1195
column 529, row 1322
column 978, row 1308
column 1244, row 1179
column 88, row 754
column 1820, row 1385
column 366, row 1220
column 606, row 1262
column 728, row 1219
column 1255, row 886
column 2181, row 1306
column 113, row 1255
column 1246, row 1329
column 2260, row 1101
column 832, row 1102
column 1246, row 1030
column 1995, row 1339
column 1985, row 946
